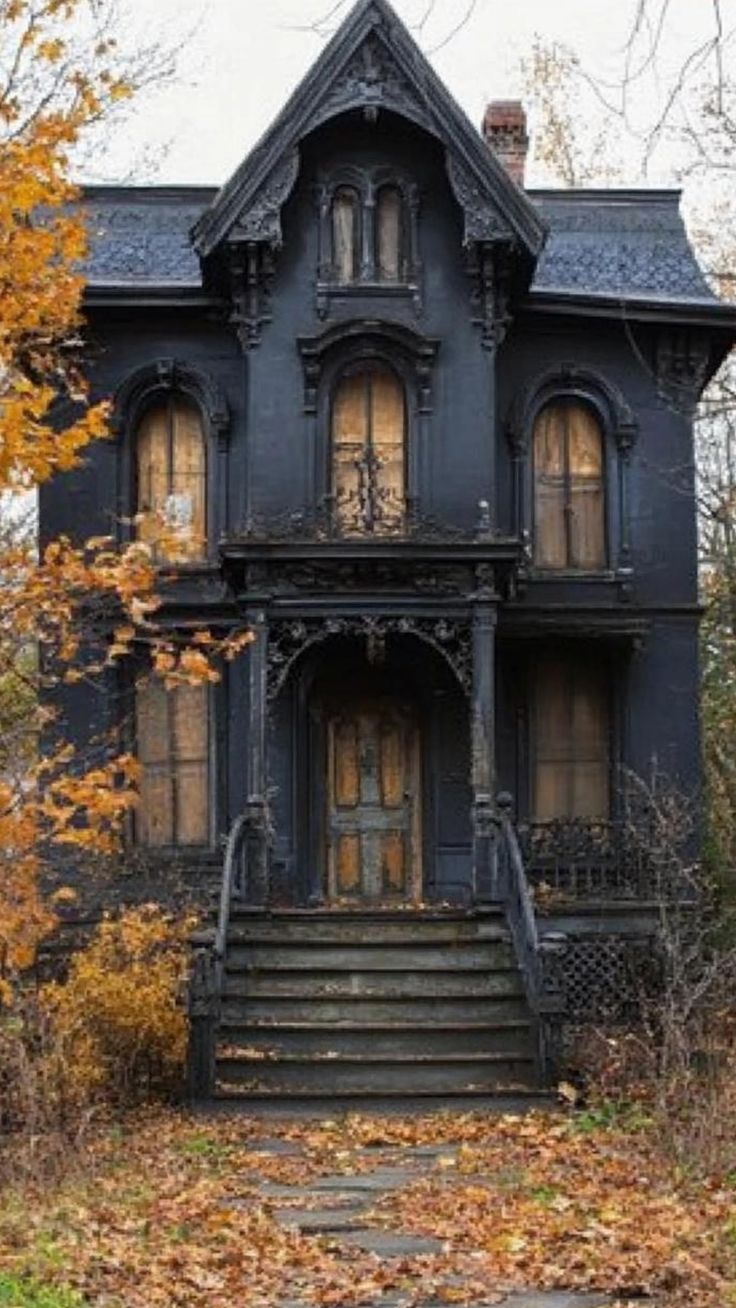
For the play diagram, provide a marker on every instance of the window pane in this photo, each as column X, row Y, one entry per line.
column 587, row 501
column 569, row 488
column 571, row 741
column 350, row 436
column 388, row 225
column 345, row 235
column 153, row 472
column 368, row 452
column 173, row 749
column 550, row 531
column 186, row 508
column 387, row 434
column 172, row 481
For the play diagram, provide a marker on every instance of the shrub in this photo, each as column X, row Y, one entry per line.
column 118, row 1021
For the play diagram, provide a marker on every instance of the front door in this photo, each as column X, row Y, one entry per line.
column 373, row 806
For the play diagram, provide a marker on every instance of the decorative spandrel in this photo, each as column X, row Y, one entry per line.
column 290, row 639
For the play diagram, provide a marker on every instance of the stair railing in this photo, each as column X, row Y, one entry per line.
column 538, row 956
column 208, row 971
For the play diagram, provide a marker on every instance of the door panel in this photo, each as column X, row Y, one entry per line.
column 373, row 808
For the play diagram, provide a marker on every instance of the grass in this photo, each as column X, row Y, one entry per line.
column 20, row 1292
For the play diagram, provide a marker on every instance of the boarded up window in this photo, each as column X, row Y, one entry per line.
column 346, row 235
column 172, row 732
column 389, row 234
column 172, row 481
column 368, row 452
column 571, row 741
column 569, row 488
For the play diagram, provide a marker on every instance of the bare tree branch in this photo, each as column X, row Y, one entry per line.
column 468, row 14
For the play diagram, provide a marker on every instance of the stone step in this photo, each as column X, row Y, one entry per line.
column 488, row 1073
column 375, row 983
column 284, row 956
column 419, row 1010
column 337, row 929
column 513, row 1038
column 283, row 1104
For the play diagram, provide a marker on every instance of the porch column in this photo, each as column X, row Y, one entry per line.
column 483, row 730
column 257, row 850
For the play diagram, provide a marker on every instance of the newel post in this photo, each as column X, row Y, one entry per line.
column 483, row 731
column 256, row 888
column 204, row 1016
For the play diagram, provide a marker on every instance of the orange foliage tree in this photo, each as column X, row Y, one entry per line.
column 61, row 73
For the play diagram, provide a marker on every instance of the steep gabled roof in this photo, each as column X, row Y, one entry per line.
column 372, row 63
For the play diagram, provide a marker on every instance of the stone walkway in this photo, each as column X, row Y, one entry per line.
column 339, row 1207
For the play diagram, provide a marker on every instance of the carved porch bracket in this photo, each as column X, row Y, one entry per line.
column 291, row 638
column 682, row 361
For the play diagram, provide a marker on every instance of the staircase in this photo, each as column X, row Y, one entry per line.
column 355, row 1008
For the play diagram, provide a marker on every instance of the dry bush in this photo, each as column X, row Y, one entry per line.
column 112, row 1035
column 119, row 1014
column 678, row 1063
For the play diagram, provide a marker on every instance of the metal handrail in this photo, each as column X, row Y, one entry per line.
column 532, row 951
column 233, row 851
column 516, row 893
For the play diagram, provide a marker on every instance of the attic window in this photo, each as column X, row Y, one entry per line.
column 368, row 235
column 346, row 235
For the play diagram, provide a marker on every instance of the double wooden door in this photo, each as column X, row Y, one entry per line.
column 373, row 820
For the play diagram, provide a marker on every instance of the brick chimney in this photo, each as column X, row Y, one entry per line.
column 504, row 129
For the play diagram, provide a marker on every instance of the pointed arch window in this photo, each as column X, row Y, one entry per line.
column 171, row 480
column 569, row 488
column 368, row 451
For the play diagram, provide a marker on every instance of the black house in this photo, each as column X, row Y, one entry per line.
column 431, row 438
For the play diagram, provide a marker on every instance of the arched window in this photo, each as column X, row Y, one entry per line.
column 171, row 480
column 346, row 235
column 390, row 260
column 369, row 452
column 172, row 737
column 571, row 741
column 569, row 488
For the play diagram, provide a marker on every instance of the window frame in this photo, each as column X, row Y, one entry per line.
column 136, row 678
column 362, row 366
column 409, row 355
column 573, row 659
column 368, row 183
column 620, row 432
column 138, row 392
column 168, row 400
column 569, row 568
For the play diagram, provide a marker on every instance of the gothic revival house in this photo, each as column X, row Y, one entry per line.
column 431, row 436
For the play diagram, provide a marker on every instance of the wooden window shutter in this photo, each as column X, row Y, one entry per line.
column 350, row 436
column 587, row 499
column 346, row 235
column 369, row 452
column 172, row 732
column 569, row 488
column 172, row 481
column 571, row 741
column 389, row 234
column 550, row 535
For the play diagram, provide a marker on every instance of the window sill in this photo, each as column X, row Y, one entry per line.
column 571, row 574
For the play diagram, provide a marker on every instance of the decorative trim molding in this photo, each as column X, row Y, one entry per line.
column 568, row 380
column 164, row 377
column 367, row 338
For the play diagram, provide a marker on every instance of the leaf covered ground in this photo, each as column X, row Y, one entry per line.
column 173, row 1211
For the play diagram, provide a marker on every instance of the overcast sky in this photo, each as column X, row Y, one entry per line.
column 245, row 56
